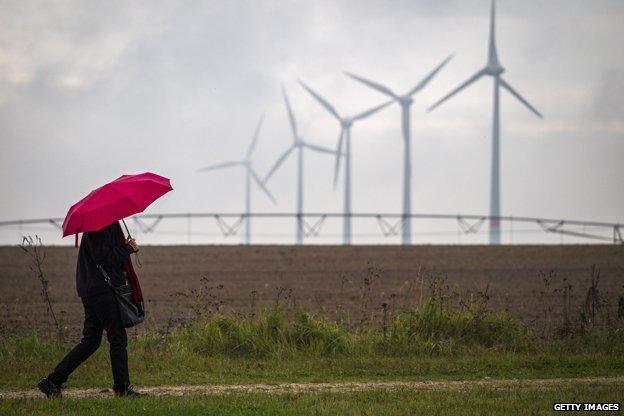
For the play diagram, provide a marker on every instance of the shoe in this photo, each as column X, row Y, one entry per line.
column 128, row 392
column 50, row 389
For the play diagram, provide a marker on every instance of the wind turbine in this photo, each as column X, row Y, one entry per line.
column 299, row 144
column 405, row 101
column 250, row 174
column 345, row 135
column 494, row 69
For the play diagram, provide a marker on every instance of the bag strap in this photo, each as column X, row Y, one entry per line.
column 106, row 276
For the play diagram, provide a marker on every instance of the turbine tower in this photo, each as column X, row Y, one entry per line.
column 405, row 101
column 250, row 174
column 299, row 144
column 494, row 69
column 345, row 135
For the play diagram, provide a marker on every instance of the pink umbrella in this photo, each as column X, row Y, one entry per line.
column 125, row 196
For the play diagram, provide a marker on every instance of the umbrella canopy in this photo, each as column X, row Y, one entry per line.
column 125, row 196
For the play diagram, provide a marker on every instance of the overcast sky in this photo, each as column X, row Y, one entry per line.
column 91, row 90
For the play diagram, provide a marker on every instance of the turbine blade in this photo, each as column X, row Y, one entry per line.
column 469, row 81
column 278, row 163
column 219, row 166
column 338, row 157
column 519, row 97
column 291, row 117
column 374, row 85
column 261, row 185
column 492, row 53
column 429, row 77
column 371, row 111
column 319, row 149
column 254, row 140
column 321, row 100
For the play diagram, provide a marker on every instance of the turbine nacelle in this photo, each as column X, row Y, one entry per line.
column 405, row 100
column 346, row 123
column 494, row 69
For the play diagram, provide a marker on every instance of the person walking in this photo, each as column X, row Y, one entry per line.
column 109, row 249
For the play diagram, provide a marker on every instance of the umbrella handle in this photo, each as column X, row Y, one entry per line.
column 136, row 253
column 128, row 231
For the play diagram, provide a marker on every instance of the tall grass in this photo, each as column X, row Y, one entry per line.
column 432, row 328
column 268, row 334
column 431, row 341
column 435, row 327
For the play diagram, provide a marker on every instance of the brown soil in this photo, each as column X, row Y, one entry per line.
column 527, row 280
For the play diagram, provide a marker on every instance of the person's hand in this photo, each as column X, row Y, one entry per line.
column 132, row 243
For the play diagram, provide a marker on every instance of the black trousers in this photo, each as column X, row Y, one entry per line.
column 101, row 313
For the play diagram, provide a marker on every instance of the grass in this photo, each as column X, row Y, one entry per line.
column 431, row 342
column 470, row 401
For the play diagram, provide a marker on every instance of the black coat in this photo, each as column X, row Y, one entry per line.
column 101, row 247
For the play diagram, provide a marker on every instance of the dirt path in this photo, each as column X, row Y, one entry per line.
column 320, row 387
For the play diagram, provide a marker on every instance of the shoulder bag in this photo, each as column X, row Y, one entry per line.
column 131, row 314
